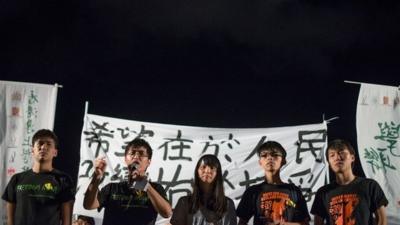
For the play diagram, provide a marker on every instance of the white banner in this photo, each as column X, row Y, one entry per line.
column 24, row 108
column 378, row 129
column 176, row 150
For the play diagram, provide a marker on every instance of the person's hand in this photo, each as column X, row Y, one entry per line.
column 100, row 165
column 140, row 183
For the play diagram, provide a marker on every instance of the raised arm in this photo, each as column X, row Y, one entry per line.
column 90, row 201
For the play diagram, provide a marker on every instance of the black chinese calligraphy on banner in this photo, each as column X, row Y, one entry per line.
column 176, row 150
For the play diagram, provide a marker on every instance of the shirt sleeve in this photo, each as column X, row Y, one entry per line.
column 301, row 212
column 9, row 194
column 245, row 209
column 103, row 196
column 159, row 188
column 180, row 212
column 67, row 189
column 378, row 196
column 318, row 208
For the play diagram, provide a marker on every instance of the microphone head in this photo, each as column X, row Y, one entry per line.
column 134, row 166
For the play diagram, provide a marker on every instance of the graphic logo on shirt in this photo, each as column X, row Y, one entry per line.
column 37, row 188
column 48, row 187
column 274, row 204
column 132, row 200
column 341, row 209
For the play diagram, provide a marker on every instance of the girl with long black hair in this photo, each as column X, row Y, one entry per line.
column 207, row 205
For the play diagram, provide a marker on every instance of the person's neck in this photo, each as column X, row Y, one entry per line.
column 42, row 167
column 273, row 178
column 345, row 178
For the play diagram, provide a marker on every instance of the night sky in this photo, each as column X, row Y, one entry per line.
column 223, row 63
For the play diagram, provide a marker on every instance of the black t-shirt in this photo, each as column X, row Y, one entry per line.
column 269, row 202
column 124, row 206
column 203, row 216
column 354, row 203
column 38, row 196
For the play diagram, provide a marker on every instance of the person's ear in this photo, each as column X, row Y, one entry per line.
column 283, row 162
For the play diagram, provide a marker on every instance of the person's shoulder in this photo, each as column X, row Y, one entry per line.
column 327, row 187
column 119, row 184
column 184, row 198
column 61, row 175
column 364, row 182
column 292, row 186
column 22, row 174
column 257, row 186
column 113, row 186
column 184, row 201
column 229, row 200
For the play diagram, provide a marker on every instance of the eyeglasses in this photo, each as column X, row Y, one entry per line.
column 272, row 154
column 140, row 154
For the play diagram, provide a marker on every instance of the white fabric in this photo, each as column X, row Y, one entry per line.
column 174, row 160
column 24, row 108
column 378, row 126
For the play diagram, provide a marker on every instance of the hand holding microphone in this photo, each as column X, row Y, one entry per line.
column 136, row 180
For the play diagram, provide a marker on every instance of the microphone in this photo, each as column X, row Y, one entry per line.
column 134, row 166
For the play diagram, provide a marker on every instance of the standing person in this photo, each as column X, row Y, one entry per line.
column 350, row 199
column 272, row 201
column 135, row 201
column 208, row 203
column 43, row 194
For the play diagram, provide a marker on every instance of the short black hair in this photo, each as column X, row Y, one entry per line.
column 87, row 219
column 271, row 145
column 339, row 144
column 139, row 142
column 45, row 133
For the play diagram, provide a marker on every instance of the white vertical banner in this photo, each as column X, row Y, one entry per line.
column 378, row 129
column 24, row 108
column 176, row 150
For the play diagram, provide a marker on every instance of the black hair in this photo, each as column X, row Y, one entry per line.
column 271, row 145
column 138, row 142
column 45, row 133
column 217, row 201
column 339, row 145
column 87, row 219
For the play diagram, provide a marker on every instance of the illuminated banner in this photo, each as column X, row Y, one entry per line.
column 378, row 128
column 176, row 150
column 24, row 108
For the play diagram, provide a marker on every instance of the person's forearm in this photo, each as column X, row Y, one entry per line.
column 381, row 220
column 380, row 215
column 161, row 205
column 90, row 201
column 10, row 213
column 66, row 215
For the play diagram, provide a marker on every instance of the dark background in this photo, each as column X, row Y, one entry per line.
column 220, row 63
